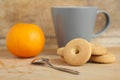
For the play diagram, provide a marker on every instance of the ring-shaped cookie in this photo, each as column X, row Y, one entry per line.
column 77, row 52
column 60, row 51
column 105, row 59
column 98, row 49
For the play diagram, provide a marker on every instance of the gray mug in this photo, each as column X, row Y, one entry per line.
column 76, row 22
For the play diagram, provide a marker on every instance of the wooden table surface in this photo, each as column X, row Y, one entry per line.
column 13, row 68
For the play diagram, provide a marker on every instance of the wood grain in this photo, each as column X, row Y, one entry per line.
column 13, row 68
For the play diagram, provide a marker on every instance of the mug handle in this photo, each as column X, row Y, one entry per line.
column 107, row 25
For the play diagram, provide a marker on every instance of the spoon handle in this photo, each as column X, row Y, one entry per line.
column 66, row 70
column 45, row 60
column 62, row 69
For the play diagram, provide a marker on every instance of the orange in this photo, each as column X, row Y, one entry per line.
column 25, row 40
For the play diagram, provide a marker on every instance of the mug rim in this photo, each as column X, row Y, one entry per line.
column 64, row 7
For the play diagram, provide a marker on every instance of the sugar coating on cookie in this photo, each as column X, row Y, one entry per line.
column 77, row 52
column 98, row 49
column 105, row 59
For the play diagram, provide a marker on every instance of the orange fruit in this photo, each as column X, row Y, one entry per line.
column 25, row 40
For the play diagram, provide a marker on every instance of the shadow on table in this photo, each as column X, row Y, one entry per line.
column 4, row 54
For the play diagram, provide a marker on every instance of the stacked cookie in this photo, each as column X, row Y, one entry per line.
column 79, row 51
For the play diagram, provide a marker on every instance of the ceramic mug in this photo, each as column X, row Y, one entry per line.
column 76, row 22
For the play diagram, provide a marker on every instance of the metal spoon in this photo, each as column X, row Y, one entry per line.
column 41, row 61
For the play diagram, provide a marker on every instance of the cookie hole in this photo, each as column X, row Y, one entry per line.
column 77, row 51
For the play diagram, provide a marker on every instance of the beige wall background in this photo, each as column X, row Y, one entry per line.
column 38, row 12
